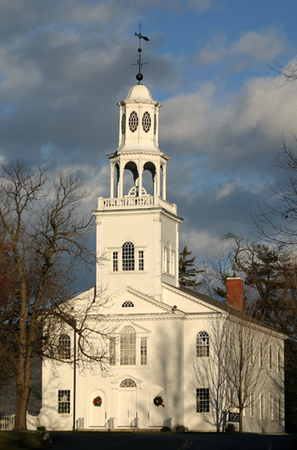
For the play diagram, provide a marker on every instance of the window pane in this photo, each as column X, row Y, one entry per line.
column 143, row 351
column 202, row 400
column 128, row 256
column 261, row 406
column 64, row 402
column 270, row 357
column 112, row 351
column 115, row 262
column 64, row 346
column 202, row 344
column 128, row 346
column 141, row 259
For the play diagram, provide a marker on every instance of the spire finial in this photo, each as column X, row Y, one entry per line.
column 139, row 76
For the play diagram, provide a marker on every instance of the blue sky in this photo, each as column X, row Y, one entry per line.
column 64, row 64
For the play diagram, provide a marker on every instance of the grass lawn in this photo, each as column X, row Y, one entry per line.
column 10, row 440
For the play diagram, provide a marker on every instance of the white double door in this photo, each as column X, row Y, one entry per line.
column 128, row 409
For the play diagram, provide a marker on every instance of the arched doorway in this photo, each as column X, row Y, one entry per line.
column 128, row 403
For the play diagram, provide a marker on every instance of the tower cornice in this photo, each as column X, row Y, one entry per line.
column 116, row 154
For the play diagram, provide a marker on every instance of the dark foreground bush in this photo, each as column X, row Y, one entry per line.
column 11, row 440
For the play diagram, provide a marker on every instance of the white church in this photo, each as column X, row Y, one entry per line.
column 164, row 363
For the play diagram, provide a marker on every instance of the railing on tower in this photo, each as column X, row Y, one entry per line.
column 136, row 202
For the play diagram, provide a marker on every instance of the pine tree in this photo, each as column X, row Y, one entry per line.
column 187, row 269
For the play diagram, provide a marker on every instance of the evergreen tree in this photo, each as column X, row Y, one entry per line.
column 187, row 269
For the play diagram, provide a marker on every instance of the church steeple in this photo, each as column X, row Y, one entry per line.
column 137, row 228
column 138, row 148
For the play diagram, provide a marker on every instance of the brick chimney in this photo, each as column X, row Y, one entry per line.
column 235, row 293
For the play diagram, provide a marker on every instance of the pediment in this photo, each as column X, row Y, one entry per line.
column 189, row 303
column 129, row 301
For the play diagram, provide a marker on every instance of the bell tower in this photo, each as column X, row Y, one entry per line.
column 137, row 229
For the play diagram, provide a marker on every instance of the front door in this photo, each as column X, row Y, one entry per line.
column 128, row 408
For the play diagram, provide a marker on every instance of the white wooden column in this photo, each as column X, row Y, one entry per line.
column 140, row 171
column 112, row 167
column 164, row 182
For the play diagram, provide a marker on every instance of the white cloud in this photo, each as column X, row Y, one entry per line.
column 261, row 46
column 251, row 47
column 202, row 243
column 208, row 122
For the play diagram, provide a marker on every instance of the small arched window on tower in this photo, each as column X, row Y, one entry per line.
column 202, row 344
column 65, row 346
column 128, row 259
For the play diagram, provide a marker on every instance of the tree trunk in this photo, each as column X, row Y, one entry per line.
column 23, row 389
column 240, row 420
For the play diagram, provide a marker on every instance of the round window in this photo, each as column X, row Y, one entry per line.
column 146, row 122
column 133, row 121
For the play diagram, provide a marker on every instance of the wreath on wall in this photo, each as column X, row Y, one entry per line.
column 97, row 401
column 158, row 401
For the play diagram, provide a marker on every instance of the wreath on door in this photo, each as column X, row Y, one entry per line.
column 97, row 401
column 158, row 401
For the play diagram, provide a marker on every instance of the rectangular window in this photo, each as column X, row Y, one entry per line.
column 279, row 409
column 270, row 357
column 141, row 259
column 143, row 351
column 261, row 406
column 271, row 408
column 252, row 405
column 202, row 397
column 64, row 402
column 278, row 360
column 252, row 352
column 261, row 354
column 112, row 351
column 115, row 261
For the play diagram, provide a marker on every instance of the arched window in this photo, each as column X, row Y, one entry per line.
column 128, row 383
column 128, row 304
column 64, row 346
column 128, row 256
column 128, row 346
column 202, row 344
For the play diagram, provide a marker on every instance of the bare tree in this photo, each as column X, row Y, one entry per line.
column 277, row 223
column 212, row 369
column 47, row 240
column 243, row 364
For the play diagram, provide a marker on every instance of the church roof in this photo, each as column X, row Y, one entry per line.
column 227, row 308
column 139, row 93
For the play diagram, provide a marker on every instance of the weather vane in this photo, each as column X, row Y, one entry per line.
column 139, row 76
